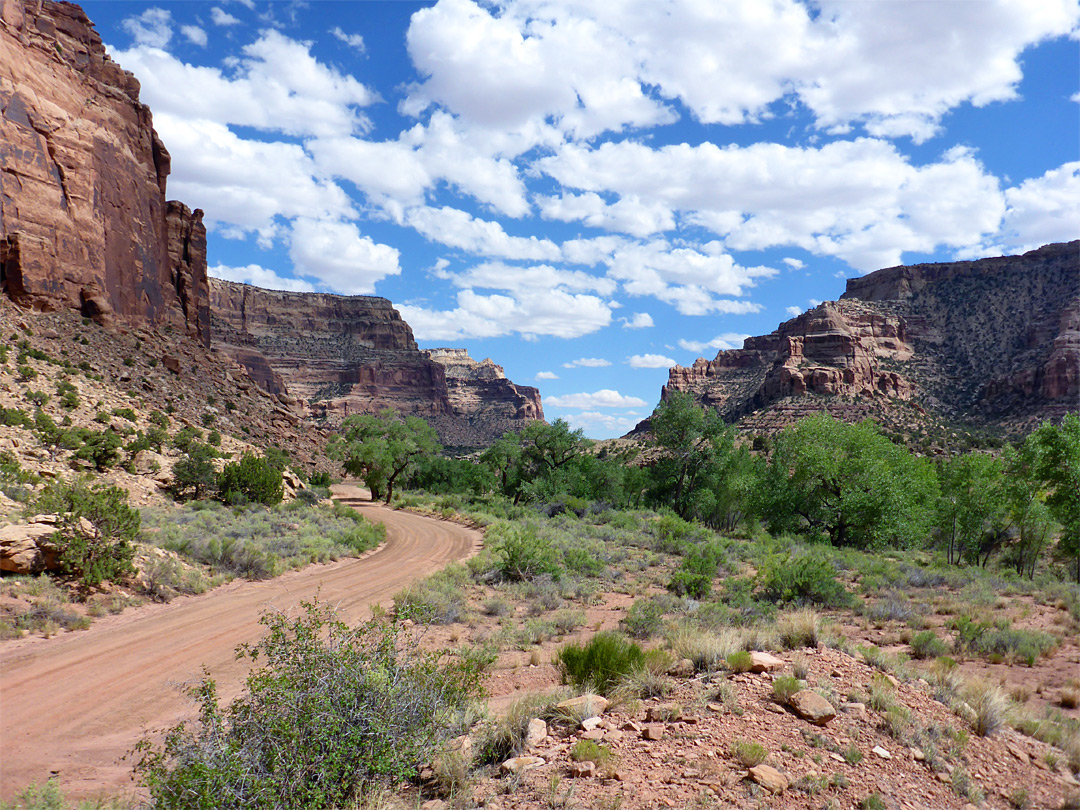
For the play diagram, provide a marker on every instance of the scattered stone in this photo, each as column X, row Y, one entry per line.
column 536, row 733
column 857, row 710
column 433, row 804
column 1018, row 752
column 769, row 778
column 654, row 731
column 171, row 362
column 581, row 770
column 918, row 755
column 714, row 707
column 881, row 752
column 594, row 734
column 613, row 736
column 590, row 723
column 521, row 764
column 631, row 725
column 772, row 707
column 809, row 705
column 764, row 662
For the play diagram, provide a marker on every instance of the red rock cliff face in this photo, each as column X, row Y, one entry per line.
column 84, row 219
column 986, row 341
column 342, row 355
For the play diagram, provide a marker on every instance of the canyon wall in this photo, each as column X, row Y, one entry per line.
column 993, row 341
column 84, row 220
column 334, row 356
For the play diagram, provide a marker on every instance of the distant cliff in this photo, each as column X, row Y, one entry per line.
column 342, row 355
column 994, row 341
column 84, row 223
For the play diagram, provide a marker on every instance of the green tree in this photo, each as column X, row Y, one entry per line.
column 380, row 447
column 194, row 475
column 96, row 531
column 848, row 483
column 971, row 505
column 1057, row 465
column 251, row 479
column 700, row 472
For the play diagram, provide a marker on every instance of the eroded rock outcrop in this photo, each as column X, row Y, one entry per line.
column 340, row 355
column 85, row 223
column 994, row 340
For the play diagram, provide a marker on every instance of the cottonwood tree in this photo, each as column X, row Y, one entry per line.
column 378, row 448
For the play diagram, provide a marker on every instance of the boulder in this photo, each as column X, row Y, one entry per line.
column 769, row 778
column 580, row 770
column 536, row 733
column 764, row 662
column 811, row 706
column 25, row 548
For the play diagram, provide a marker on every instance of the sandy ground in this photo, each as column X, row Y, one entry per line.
column 72, row 706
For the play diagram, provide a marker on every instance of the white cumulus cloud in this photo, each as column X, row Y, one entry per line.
column 221, row 17
column 604, row 398
column 650, row 361
column 151, row 29
column 335, row 253
column 728, row 340
column 546, row 375
column 259, row 277
column 587, row 362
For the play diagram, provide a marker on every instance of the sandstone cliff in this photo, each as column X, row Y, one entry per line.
column 340, row 355
column 994, row 341
column 84, row 223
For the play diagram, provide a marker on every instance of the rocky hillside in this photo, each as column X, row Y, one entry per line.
column 340, row 355
column 993, row 343
column 85, row 222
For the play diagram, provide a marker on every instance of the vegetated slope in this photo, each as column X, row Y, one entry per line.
column 342, row 355
column 74, row 705
column 992, row 343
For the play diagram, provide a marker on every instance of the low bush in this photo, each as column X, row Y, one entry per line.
column 806, row 579
column 927, row 645
column 740, row 661
column 709, row 650
column 989, row 706
column 332, row 711
column 695, row 574
column 194, row 475
column 601, row 662
column 644, row 619
column 438, row 599
column 999, row 639
column 524, row 554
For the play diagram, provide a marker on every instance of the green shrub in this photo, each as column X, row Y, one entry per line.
column 1000, row 639
column 525, row 554
column 740, row 661
column 806, row 579
column 644, row 619
column 439, row 599
column 96, row 531
column 671, row 533
column 785, row 686
column 747, row 753
column 321, row 478
column 250, row 480
column 185, row 436
column 14, row 417
column 333, row 711
column 125, row 413
column 927, row 645
column 38, row 398
column 600, row 663
column 590, row 751
column 27, row 373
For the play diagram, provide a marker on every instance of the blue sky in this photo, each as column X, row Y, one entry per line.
column 590, row 191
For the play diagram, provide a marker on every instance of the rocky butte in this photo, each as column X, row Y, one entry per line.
column 84, row 223
column 339, row 355
column 993, row 342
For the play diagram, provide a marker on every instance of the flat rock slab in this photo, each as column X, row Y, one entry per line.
column 522, row 764
column 585, row 706
column 764, row 662
column 769, row 778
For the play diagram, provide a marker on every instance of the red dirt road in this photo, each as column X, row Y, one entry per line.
column 73, row 705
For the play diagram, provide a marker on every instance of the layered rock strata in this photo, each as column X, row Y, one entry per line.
column 984, row 341
column 84, row 219
column 341, row 355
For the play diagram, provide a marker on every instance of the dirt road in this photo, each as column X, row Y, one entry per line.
column 73, row 705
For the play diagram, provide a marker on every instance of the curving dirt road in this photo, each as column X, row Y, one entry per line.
column 73, row 705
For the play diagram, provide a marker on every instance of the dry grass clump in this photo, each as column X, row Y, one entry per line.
column 989, row 706
column 799, row 628
column 1069, row 697
column 708, row 650
column 504, row 737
